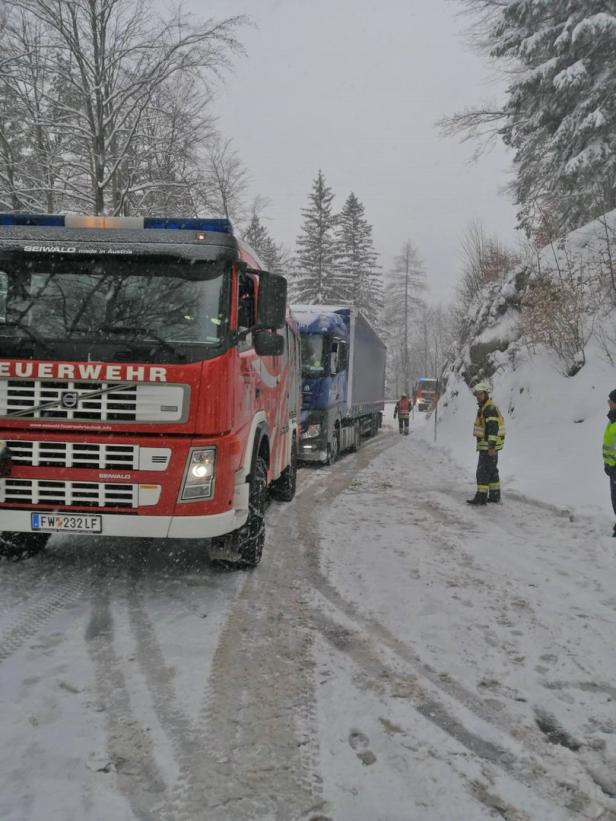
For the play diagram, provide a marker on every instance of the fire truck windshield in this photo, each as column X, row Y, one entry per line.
column 151, row 308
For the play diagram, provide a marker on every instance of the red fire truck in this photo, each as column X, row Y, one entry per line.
column 149, row 383
column 425, row 393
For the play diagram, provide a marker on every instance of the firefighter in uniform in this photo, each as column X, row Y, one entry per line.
column 609, row 449
column 489, row 431
column 402, row 411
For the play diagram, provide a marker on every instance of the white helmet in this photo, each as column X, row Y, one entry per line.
column 481, row 387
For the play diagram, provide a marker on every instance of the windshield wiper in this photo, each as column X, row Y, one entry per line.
column 30, row 333
column 130, row 329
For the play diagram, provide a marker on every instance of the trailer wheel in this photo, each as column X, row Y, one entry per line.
column 15, row 546
column 333, row 449
column 356, row 437
column 242, row 548
column 283, row 489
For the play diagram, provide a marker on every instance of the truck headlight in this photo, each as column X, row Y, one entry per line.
column 312, row 431
column 199, row 475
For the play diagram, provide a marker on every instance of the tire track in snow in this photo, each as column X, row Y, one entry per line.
column 129, row 747
column 159, row 678
column 529, row 772
column 257, row 745
column 50, row 597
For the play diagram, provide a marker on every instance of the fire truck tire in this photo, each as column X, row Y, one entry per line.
column 283, row 489
column 242, row 548
column 17, row 546
column 333, row 449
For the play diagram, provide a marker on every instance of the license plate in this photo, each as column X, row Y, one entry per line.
column 69, row 522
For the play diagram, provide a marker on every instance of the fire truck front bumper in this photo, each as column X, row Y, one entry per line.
column 117, row 525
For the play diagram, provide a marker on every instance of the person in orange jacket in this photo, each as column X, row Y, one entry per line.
column 402, row 411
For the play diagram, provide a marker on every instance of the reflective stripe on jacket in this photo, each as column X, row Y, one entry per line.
column 609, row 443
column 489, row 428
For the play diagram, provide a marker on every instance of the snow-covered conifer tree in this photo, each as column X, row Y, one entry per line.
column 273, row 256
column 357, row 272
column 315, row 265
column 560, row 112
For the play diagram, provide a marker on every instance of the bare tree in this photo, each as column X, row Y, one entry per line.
column 559, row 306
column 486, row 259
column 97, row 74
column 403, row 299
column 225, row 180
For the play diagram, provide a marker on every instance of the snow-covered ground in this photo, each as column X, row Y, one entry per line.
column 555, row 424
column 397, row 656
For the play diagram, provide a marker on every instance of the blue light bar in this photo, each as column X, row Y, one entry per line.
column 49, row 220
column 221, row 226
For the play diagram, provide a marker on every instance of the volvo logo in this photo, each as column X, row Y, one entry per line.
column 69, row 399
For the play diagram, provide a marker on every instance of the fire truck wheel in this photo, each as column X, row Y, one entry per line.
column 16, row 546
column 283, row 489
column 242, row 548
column 333, row 449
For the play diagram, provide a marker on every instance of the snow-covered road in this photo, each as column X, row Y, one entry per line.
column 396, row 656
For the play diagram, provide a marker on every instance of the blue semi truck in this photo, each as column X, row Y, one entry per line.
column 343, row 380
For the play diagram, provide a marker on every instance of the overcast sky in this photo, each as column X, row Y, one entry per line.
column 354, row 87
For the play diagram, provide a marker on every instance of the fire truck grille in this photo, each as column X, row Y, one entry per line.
column 74, row 455
column 77, row 494
column 92, row 401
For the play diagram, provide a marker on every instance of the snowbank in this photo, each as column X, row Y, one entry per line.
column 554, row 430
column 554, row 422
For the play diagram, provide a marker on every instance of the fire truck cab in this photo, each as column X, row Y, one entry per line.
column 149, row 383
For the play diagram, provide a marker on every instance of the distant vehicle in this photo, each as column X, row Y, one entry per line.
column 343, row 380
column 425, row 393
column 149, row 383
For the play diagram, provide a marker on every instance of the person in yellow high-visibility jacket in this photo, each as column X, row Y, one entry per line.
column 609, row 449
column 489, row 431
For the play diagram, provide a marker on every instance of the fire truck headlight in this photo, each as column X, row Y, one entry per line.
column 200, row 473
column 312, row 431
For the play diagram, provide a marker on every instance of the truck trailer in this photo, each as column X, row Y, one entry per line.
column 343, row 380
column 149, row 383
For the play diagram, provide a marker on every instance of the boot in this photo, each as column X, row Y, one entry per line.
column 614, row 533
column 494, row 496
column 478, row 499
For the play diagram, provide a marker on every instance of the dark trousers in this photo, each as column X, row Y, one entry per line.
column 613, row 489
column 403, row 423
column 488, row 480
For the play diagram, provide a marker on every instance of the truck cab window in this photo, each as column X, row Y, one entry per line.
column 246, row 308
column 343, row 356
column 246, row 311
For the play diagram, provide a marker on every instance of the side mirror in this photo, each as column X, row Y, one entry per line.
column 267, row 343
column 272, row 309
